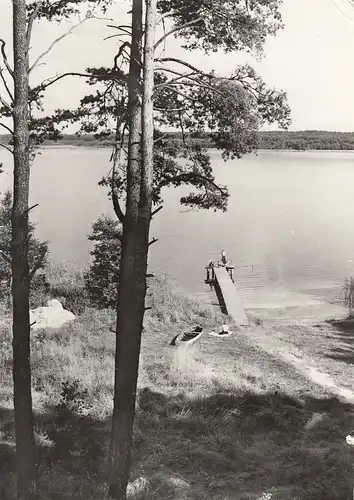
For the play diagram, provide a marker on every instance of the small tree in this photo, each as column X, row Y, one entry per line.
column 101, row 280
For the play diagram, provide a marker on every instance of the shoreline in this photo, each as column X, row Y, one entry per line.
column 64, row 145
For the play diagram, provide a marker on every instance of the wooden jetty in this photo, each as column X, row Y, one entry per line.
column 222, row 279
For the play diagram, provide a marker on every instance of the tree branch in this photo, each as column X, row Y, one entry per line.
column 120, row 51
column 191, row 175
column 175, row 29
column 55, row 79
column 56, row 41
column 174, row 80
column 116, row 157
column 181, row 62
column 184, row 95
column 32, row 207
column 30, row 22
column 6, row 104
column 38, row 264
column 6, row 147
column 116, row 206
column 6, row 128
column 154, row 212
column 163, row 16
column 7, row 88
column 4, row 57
column 125, row 28
column 154, row 240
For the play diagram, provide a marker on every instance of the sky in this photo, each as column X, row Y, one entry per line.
column 311, row 59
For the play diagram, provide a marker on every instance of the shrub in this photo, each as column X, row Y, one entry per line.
column 66, row 283
column 170, row 306
column 101, row 280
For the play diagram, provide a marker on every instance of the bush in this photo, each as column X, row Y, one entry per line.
column 170, row 306
column 66, row 283
column 101, row 280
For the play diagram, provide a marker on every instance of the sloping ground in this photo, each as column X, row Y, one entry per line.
column 228, row 419
column 314, row 349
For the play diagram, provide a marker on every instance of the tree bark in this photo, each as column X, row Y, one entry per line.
column 130, row 306
column 25, row 449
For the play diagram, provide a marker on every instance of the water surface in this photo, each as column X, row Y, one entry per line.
column 290, row 216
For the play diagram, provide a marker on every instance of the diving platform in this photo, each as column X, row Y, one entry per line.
column 221, row 277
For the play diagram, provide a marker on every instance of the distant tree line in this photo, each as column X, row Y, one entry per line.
column 298, row 141
column 306, row 140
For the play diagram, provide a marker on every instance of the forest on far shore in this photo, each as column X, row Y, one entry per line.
column 290, row 140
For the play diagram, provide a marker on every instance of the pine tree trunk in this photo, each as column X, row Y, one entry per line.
column 25, row 450
column 130, row 307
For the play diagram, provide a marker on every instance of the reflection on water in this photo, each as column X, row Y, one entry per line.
column 290, row 216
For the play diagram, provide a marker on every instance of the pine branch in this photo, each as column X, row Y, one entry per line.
column 120, row 52
column 6, row 104
column 116, row 157
column 163, row 16
column 32, row 207
column 4, row 57
column 7, row 88
column 125, row 28
column 6, row 128
column 154, row 240
column 182, row 63
column 190, row 176
column 116, row 206
column 185, row 96
column 38, row 263
column 55, row 79
column 56, row 41
column 30, row 22
column 154, row 212
column 174, row 80
column 177, row 28
column 6, row 147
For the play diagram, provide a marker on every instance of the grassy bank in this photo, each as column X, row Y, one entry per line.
column 223, row 420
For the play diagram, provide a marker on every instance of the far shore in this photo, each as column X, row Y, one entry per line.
column 96, row 145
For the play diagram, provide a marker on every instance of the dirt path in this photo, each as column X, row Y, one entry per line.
column 302, row 356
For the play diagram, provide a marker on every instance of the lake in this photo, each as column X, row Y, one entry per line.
column 289, row 229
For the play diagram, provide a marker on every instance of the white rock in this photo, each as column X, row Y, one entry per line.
column 54, row 303
column 137, row 487
column 51, row 316
column 350, row 439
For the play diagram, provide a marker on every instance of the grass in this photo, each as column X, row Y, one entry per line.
column 223, row 420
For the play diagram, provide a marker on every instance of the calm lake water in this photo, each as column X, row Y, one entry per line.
column 290, row 216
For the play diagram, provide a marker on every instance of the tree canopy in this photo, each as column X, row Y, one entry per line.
column 228, row 109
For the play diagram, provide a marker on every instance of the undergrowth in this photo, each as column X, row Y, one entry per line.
column 220, row 420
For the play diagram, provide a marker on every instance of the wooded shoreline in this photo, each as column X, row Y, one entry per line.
column 271, row 140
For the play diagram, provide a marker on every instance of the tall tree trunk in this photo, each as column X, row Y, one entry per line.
column 25, row 450
column 130, row 307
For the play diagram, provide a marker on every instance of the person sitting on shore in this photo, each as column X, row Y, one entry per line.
column 224, row 332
